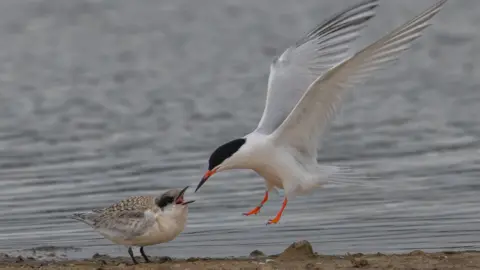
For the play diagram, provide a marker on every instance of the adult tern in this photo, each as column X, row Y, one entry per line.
column 140, row 220
column 306, row 86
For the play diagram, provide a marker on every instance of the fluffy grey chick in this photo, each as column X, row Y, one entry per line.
column 140, row 220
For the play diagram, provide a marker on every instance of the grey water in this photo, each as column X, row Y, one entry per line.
column 103, row 99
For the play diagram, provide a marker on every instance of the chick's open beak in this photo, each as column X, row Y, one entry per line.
column 187, row 202
column 179, row 199
column 205, row 178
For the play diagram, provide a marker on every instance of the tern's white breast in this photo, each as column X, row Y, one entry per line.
column 268, row 160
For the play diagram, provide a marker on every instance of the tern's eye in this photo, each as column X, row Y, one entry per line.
column 165, row 201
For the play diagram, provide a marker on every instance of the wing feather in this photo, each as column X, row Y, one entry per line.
column 312, row 114
column 318, row 51
column 126, row 224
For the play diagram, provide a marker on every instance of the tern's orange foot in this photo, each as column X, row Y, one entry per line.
column 273, row 221
column 279, row 214
column 254, row 211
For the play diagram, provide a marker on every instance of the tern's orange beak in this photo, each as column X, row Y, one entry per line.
column 205, row 178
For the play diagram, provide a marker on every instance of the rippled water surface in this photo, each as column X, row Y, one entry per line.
column 100, row 100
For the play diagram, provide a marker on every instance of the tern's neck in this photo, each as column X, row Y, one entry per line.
column 178, row 212
column 173, row 220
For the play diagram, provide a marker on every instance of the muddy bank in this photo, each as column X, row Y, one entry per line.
column 297, row 256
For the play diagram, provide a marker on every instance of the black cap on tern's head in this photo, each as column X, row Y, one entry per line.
column 219, row 156
column 173, row 196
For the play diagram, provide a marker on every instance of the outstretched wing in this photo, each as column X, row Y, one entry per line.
column 321, row 49
column 304, row 125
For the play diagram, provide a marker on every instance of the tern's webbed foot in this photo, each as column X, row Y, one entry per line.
column 279, row 214
column 254, row 211
column 273, row 221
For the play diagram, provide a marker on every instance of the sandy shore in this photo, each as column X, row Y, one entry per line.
column 297, row 256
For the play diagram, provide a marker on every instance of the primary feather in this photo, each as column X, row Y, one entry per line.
column 322, row 48
column 307, row 121
column 125, row 225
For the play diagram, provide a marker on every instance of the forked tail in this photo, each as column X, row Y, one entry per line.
column 342, row 175
column 321, row 175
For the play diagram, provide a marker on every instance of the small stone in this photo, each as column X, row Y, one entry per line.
column 97, row 256
column 257, row 254
column 165, row 259
column 416, row 253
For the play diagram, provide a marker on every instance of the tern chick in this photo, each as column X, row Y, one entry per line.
column 140, row 220
column 305, row 88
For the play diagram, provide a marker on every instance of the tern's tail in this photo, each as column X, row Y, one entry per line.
column 341, row 175
column 84, row 217
column 322, row 175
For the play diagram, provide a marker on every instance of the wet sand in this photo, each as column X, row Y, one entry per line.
column 299, row 255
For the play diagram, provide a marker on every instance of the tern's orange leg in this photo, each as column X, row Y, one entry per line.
column 279, row 214
column 256, row 210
